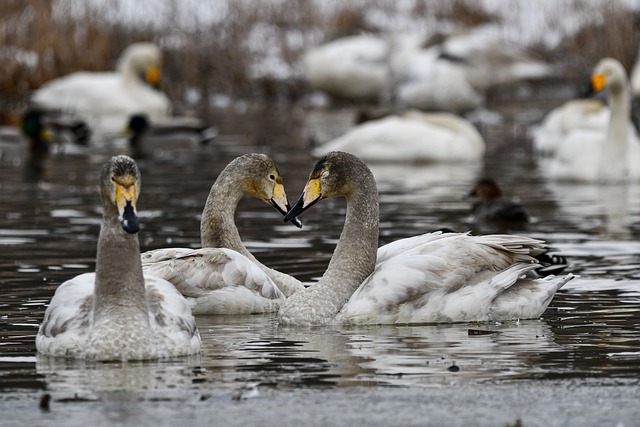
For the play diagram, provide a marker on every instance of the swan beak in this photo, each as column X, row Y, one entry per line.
column 598, row 82
column 281, row 203
column 152, row 76
column 311, row 194
column 126, row 200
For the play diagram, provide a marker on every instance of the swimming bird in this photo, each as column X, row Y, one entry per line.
column 353, row 68
column 106, row 100
column 223, row 277
column 584, row 141
column 146, row 137
column 117, row 313
column 434, row 277
column 412, row 137
column 491, row 206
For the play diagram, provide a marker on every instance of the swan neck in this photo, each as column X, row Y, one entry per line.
column 119, row 281
column 613, row 164
column 217, row 226
column 354, row 258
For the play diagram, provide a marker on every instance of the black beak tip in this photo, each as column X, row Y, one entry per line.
column 296, row 221
column 131, row 226
column 129, row 220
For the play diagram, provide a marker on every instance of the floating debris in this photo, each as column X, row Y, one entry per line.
column 472, row 332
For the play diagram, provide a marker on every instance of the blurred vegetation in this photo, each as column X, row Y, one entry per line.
column 42, row 39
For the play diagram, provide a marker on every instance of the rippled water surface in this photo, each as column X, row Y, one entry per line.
column 48, row 232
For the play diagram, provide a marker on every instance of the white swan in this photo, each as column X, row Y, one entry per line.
column 352, row 67
column 224, row 277
column 435, row 277
column 106, row 100
column 584, row 141
column 117, row 313
column 411, row 137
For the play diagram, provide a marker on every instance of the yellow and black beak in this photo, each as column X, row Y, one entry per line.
column 126, row 197
column 311, row 194
column 281, row 203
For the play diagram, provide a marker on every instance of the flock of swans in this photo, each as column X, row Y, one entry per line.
column 141, row 306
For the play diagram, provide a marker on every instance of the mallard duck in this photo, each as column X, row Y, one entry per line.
column 434, row 277
column 584, row 141
column 106, row 100
column 117, row 313
column 412, row 137
column 146, row 137
column 224, row 277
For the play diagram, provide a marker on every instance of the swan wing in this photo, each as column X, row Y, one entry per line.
column 215, row 280
column 445, row 278
column 67, row 322
column 172, row 323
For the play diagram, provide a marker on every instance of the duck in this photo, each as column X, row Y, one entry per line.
column 411, row 137
column 430, row 278
column 491, row 205
column 223, row 277
column 106, row 100
column 584, row 141
column 146, row 137
column 116, row 313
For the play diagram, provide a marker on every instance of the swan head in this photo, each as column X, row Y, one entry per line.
column 333, row 175
column 143, row 60
column 609, row 73
column 262, row 179
column 120, row 188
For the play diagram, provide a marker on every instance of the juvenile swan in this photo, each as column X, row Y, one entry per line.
column 117, row 313
column 450, row 277
column 224, row 277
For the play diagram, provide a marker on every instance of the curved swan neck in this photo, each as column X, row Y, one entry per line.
column 119, row 280
column 354, row 258
column 217, row 226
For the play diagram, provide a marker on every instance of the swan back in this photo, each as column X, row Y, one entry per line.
column 411, row 137
column 349, row 68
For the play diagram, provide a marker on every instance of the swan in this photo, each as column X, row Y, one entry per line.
column 435, row 277
column 584, row 141
column 425, row 79
column 414, row 137
column 353, row 68
column 105, row 100
column 117, row 313
column 493, row 207
column 223, row 277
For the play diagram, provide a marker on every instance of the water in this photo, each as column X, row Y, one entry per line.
column 577, row 365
